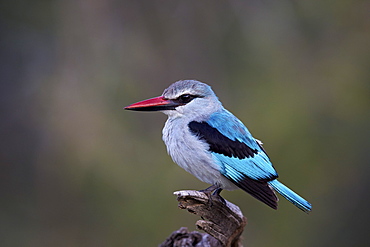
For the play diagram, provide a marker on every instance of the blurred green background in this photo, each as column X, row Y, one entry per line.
column 78, row 170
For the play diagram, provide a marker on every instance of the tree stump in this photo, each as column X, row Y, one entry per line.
column 222, row 222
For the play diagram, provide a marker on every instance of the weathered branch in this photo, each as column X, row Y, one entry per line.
column 224, row 223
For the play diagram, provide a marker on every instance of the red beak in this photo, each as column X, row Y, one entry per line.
column 153, row 104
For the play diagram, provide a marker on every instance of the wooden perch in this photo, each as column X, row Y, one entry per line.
column 222, row 223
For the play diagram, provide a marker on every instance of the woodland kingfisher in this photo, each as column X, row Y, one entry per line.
column 209, row 142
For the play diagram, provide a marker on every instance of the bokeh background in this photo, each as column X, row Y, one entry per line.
column 78, row 170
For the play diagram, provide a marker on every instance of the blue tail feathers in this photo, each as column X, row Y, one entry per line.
column 291, row 196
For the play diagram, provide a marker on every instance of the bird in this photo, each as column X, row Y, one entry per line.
column 209, row 142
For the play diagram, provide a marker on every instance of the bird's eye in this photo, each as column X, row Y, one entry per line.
column 186, row 98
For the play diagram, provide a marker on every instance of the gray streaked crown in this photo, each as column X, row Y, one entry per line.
column 191, row 87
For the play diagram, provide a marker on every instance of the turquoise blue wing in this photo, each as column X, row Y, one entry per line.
column 241, row 158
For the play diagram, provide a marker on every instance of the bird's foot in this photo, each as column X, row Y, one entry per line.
column 214, row 192
column 217, row 195
column 210, row 189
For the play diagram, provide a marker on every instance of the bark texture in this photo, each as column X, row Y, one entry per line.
column 222, row 222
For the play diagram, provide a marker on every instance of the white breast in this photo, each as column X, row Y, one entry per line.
column 192, row 154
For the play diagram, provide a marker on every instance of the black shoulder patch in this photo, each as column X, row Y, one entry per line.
column 219, row 143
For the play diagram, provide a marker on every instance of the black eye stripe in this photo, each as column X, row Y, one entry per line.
column 186, row 98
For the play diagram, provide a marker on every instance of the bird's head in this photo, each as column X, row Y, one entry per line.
column 186, row 98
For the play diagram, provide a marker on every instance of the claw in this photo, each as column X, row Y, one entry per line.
column 214, row 192
column 210, row 189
